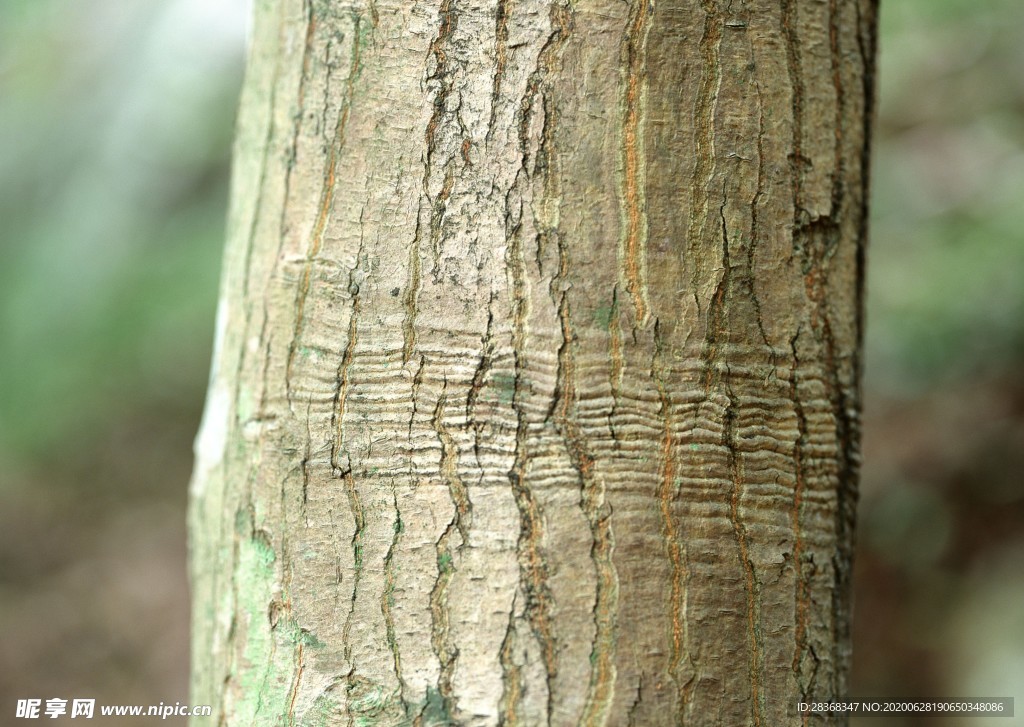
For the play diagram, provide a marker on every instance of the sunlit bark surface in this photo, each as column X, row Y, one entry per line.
column 536, row 390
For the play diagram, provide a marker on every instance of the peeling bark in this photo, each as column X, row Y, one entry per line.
column 536, row 392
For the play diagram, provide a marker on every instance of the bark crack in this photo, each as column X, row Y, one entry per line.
column 674, row 539
column 592, row 494
column 387, row 598
column 752, row 586
column 356, row 543
column 634, row 238
column 441, row 637
column 501, row 13
column 796, row 83
column 802, row 587
column 326, row 206
column 704, row 137
column 533, row 571
column 341, row 462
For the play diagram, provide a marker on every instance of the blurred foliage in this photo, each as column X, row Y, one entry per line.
column 116, row 123
column 946, row 299
column 116, row 120
column 115, row 127
column 938, row 586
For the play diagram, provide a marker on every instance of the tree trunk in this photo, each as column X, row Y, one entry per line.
column 536, row 391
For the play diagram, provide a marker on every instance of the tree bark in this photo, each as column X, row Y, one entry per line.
column 535, row 395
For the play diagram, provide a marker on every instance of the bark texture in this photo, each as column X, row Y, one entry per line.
column 535, row 399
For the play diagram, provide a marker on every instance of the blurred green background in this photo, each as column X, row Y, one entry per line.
column 116, row 120
column 115, row 128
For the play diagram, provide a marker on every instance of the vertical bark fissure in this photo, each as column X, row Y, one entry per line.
column 307, row 455
column 616, row 366
column 751, row 584
column 473, row 422
column 719, row 325
column 294, row 692
column 434, row 206
column 341, row 463
column 634, row 236
column 592, row 493
column 848, row 443
column 443, row 119
column 441, row 637
column 523, row 499
column 760, row 195
column 796, row 85
column 533, row 569
column 511, row 685
column 412, row 289
column 501, row 13
column 839, row 121
column 534, row 578
column 673, row 537
column 802, row 595
column 868, row 50
column 417, row 382
column 387, row 600
column 356, row 543
column 704, row 153
column 483, row 367
column 326, row 205
column 463, row 517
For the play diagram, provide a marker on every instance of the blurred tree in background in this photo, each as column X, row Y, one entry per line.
column 115, row 126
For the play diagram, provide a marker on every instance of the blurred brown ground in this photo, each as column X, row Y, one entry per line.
column 115, row 127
